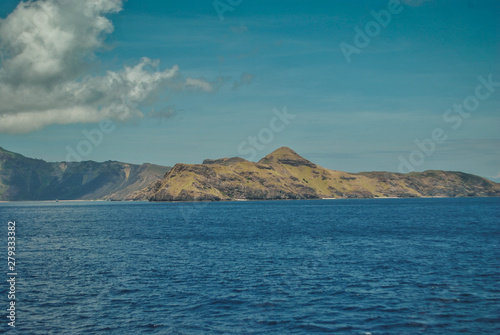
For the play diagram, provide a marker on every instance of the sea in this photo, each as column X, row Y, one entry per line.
column 360, row 266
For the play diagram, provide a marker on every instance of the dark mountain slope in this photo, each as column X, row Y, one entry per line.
column 23, row 178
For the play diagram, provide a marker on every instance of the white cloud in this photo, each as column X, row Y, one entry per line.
column 199, row 84
column 46, row 48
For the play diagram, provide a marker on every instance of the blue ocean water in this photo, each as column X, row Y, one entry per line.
column 375, row 266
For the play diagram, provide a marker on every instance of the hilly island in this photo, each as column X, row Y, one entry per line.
column 283, row 174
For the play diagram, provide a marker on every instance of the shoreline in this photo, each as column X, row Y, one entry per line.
column 232, row 200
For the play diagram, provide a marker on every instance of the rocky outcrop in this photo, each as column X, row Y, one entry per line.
column 225, row 161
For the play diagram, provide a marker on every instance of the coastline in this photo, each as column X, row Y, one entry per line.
column 232, row 200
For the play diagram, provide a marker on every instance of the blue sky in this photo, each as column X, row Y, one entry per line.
column 234, row 73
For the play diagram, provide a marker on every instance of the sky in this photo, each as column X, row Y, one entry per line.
column 400, row 86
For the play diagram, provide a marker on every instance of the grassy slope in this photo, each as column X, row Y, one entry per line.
column 285, row 175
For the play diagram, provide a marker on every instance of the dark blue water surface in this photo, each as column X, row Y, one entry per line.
column 381, row 266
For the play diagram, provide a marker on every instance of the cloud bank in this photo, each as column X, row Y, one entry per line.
column 46, row 48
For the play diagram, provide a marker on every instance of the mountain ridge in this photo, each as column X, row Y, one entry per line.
column 282, row 174
column 23, row 178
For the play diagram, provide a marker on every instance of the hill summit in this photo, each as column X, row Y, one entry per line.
column 285, row 155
